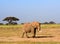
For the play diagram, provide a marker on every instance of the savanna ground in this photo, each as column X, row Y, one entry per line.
column 11, row 34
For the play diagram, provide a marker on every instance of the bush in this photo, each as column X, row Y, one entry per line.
column 45, row 23
column 51, row 22
column 22, row 23
column 1, row 23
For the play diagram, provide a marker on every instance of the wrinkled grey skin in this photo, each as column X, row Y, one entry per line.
column 31, row 28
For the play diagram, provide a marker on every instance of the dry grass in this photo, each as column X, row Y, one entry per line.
column 49, row 33
column 15, row 30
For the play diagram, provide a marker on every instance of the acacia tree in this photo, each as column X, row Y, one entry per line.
column 10, row 19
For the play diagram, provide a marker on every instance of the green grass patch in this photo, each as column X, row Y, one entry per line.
column 50, row 26
column 42, row 26
column 10, row 26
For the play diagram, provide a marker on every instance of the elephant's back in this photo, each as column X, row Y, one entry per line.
column 26, row 25
column 35, row 24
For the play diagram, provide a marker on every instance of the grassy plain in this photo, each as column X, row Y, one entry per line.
column 11, row 34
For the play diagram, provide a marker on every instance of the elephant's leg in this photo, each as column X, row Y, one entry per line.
column 34, row 32
column 23, row 34
column 27, row 35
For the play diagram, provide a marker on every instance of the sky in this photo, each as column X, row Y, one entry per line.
column 31, row 10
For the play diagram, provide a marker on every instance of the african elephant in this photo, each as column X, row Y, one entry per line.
column 31, row 28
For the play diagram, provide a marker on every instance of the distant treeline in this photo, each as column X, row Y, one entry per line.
column 51, row 22
column 13, row 21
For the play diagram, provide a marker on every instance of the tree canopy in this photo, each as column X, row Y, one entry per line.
column 10, row 19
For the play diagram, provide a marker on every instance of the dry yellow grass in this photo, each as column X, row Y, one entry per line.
column 49, row 33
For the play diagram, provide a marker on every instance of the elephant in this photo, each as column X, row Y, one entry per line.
column 31, row 28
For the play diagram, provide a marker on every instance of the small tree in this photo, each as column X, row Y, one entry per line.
column 10, row 19
column 46, row 23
